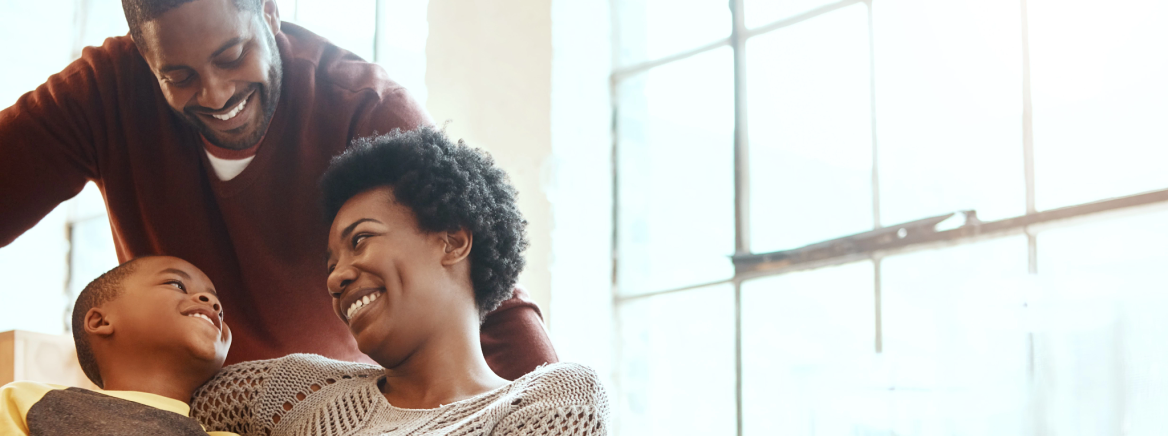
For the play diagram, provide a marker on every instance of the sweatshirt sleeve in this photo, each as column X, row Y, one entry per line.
column 47, row 144
column 513, row 337
column 15, row 400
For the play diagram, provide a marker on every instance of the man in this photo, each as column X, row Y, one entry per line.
column 206, row 130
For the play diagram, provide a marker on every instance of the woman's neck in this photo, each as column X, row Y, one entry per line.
column 444, row 370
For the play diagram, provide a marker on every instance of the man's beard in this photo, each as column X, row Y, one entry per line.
column 269, row 98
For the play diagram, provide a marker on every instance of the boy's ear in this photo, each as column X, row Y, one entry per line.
column 96, row 322
column 458, row 244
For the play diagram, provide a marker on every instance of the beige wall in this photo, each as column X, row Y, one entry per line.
column 488, row 72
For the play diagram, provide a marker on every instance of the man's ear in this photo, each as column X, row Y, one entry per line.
column 458, row 244
column 272, row 15
column 97, row 322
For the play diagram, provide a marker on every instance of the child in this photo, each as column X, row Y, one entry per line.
column 148, row 332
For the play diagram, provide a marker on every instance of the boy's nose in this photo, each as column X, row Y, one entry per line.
column 210, row 299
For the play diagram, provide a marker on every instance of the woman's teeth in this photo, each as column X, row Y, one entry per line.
column 204, row 317
column 359, row 304
column 233, row 113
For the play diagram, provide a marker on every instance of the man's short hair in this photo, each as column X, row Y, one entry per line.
column 104, row 289
column 448, row 187
column 142, row 11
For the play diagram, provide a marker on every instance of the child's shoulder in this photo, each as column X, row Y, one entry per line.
column 31, row 386
column 26, row 392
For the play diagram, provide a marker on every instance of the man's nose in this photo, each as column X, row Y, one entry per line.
column 215, row 92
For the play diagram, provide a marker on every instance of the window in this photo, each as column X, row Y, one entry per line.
column 890, row 216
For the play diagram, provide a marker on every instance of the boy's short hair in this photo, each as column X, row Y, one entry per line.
column 104, row 289
column 448, row 187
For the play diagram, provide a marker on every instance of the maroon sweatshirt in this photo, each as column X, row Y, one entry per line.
column 259, row 236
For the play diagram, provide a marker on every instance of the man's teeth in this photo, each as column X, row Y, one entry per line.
column 201, row 316
column 233, row 113
column 353, row 308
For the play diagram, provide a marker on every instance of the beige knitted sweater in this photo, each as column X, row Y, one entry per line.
column 306, row 394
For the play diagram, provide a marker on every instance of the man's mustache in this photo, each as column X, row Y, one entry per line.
column 232, row 102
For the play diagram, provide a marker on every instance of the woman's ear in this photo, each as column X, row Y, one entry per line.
column 458, row 244
column 272, row 15
column 97, row 322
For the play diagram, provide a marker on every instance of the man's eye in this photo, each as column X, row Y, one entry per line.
column 179, row 80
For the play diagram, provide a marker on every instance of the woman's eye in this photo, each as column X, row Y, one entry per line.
column 358, row 238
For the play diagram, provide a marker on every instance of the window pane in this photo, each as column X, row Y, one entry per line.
column 808, row 340
column 1100, row 346
column 677, row 352
column 350, row 24
column 676, row 174
column 652, row 29
column 810, row 131
column 1100, row 98
column 949, row 108
column 46, row 54
column 954, row 339
column 763, row 12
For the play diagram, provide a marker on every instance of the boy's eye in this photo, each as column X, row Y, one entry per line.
column 178, row 285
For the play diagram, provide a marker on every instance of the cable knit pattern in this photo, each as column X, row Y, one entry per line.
column 310, row 395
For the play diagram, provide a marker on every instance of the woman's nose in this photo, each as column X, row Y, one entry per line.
column 341, row 277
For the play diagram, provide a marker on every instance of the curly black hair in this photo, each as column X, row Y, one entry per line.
column 449, row 187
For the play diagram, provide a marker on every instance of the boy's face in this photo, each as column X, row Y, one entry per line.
column 168, row 307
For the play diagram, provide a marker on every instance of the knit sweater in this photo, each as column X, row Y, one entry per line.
column 309, row 395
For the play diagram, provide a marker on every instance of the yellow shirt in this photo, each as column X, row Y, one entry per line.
column 17, row 399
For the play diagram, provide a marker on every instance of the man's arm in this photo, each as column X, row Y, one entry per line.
column 47, row 147
column 514, row 339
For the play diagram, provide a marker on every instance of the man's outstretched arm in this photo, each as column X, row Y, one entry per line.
column 46, row 148
column 514, row 339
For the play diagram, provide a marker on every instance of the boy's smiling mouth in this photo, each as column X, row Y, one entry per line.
column 206, row 315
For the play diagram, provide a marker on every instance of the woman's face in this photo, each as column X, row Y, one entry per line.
column 391, row 282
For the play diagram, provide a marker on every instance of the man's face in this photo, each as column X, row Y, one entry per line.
column 169, row 307
column 218, row 68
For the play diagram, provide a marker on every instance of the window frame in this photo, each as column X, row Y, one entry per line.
column 872, row 245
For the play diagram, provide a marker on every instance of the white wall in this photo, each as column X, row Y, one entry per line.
column 488, row 71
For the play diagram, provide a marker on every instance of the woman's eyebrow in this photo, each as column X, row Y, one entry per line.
column 349, row 229
column 328, row 254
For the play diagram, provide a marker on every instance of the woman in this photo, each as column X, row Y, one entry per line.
column 425, row 239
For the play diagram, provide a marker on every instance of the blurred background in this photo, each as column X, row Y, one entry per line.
column 756, row 217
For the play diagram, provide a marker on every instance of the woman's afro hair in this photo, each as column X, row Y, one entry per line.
column 449, row 187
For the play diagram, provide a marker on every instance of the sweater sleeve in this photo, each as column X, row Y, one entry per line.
column 394, row 109
column 230, row 401
column 47, row 144
column 567, row 399
column 513, row 337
